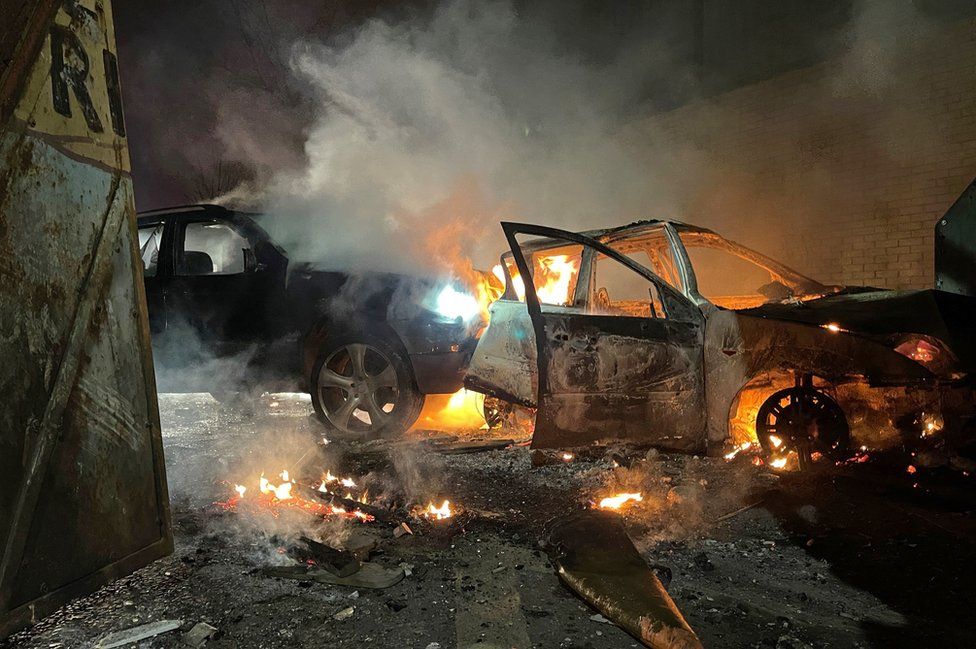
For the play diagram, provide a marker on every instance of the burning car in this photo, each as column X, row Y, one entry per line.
column 671, row 335
column 229, row 314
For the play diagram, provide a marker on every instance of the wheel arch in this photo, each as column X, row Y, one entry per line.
column 324, row 328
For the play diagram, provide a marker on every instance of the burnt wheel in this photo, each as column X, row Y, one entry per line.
column 363, row 386
column 803, row 420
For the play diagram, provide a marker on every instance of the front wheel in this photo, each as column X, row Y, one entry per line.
column 362, row 385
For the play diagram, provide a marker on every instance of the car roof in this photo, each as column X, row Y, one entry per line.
column 181, row 213
column 622, row 230
column 605, row 235
column 184, row 212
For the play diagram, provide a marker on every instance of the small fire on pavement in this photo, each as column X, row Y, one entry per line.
column 438, row 513
column 288, row 494
column 619, row 500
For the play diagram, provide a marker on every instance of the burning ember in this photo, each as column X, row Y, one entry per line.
column 931, row 424
column 438, row 513
column 738, row 449
column 618, row 501
column 274, row 496
column 281, row 492
column 567, row 457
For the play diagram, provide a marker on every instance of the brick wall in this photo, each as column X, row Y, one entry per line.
column 839, row 170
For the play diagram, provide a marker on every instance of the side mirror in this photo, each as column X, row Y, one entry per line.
column 251, row 263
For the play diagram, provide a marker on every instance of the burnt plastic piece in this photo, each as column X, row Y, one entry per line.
column 597, row 560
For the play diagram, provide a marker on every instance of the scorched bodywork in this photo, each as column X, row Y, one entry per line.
column 672, row 335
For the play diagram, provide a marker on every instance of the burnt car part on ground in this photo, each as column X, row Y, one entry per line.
column 231, row 315
column 672, row 335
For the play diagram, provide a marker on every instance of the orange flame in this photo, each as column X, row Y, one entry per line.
column 618, row 501
column 281, row 492
column 462, row 410
column 439, row 513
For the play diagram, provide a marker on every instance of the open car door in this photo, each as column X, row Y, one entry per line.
column 619, row 351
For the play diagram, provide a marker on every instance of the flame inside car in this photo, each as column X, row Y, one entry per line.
column 554, row 278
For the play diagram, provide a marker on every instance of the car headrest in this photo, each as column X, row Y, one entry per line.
column 197, row 263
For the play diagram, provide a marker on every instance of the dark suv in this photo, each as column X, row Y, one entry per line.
column 230, row 315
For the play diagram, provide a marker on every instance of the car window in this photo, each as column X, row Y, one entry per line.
column 731, row 281
column 211, row 248
column 150, row 238
column 619, row 290
column 555, row 274
column 653, row 251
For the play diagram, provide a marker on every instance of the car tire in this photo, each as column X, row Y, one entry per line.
column 361, row 377
column 804, row 421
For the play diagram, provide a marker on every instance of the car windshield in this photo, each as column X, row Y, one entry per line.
column 734, row 277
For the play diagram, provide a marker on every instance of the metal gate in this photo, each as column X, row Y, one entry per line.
column 84, row 490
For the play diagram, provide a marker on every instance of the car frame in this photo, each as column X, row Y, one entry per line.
column 700, row 376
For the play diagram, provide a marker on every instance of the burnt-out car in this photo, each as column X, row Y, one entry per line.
column 230, row 315
column 674, row 336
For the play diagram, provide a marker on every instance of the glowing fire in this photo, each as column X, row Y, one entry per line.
column 439, row 513
column 276, row 496
column 555, row 275
column 329, row 479
column 567, row 457
column 778, row 462
column 738, row 449
column 462, row 410
column 281, row 492
column 618, row 501
column 931, row 424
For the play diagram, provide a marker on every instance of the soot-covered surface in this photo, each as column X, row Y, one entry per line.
column 856, row 557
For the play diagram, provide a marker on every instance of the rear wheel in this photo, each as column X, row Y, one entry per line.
column 362, row 385
column 805, row 421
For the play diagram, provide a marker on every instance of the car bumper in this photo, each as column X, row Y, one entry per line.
column 440, row 372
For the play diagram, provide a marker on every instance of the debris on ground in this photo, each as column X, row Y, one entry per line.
column 369, row 575
column 137, row 633
column 598, row 561
column 199, row 634
column 344, row 614
column 805, row 561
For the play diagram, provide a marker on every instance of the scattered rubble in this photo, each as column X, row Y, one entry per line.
column 199, row 634
column 137, row 633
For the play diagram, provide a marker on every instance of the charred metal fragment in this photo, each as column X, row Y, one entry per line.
column 596, row 559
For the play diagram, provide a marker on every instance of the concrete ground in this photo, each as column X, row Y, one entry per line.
column 857, row 556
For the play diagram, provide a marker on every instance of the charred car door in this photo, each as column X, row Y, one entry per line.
column 619, row 356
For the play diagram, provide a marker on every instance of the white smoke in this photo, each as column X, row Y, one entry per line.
column 470, row 114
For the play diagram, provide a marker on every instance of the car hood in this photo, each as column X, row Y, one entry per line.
column 884, row 315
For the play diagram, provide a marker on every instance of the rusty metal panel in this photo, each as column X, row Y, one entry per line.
column 85, row 496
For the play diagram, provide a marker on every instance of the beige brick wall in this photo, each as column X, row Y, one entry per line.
column 840, row 170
